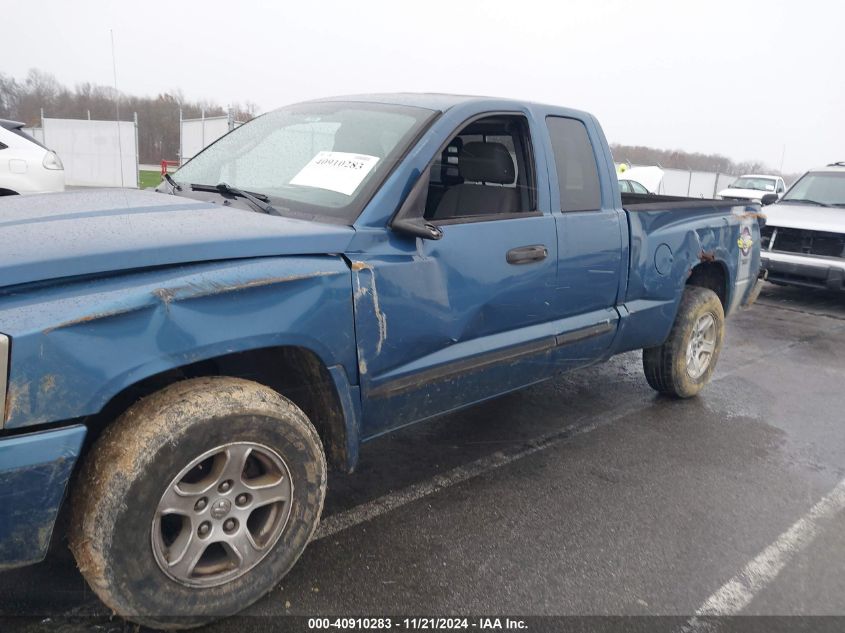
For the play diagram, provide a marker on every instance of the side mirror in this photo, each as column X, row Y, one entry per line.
column 417, row 228
column 769, row 198
column 410, row 219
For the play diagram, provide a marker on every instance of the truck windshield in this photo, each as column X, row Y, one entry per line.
column 825, row 188
column 321, row 160
column 758, row 184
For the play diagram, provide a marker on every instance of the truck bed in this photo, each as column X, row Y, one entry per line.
column 664, row 247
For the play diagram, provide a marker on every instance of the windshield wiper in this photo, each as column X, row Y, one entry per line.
column 258, row 200
column 805, row 201
column 175, row 186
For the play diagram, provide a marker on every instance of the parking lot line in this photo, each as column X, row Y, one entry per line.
column 372, row 509
column 738, row 592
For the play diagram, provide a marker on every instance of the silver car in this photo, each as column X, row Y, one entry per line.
column 803, row 242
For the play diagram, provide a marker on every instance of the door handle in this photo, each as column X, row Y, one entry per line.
column 527, row 254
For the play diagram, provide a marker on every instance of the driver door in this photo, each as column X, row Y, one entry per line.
column 448, row 322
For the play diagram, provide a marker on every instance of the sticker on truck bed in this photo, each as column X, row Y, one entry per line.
column 744, row 283
column 336, row 171
column 745, row 242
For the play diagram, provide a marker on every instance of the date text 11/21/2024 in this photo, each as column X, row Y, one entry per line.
column 418, row 623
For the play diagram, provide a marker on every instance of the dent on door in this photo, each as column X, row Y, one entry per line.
column 445, row 325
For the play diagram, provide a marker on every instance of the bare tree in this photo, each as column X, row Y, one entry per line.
column 679, row 159
column 158, row 117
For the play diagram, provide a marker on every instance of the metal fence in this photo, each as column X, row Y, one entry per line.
column 105, row 153
column 94, row 153
column 36, row 132
column 693, row 184
column 687, row 182
column 197, row 134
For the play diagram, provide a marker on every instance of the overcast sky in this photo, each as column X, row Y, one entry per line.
column 742, row 78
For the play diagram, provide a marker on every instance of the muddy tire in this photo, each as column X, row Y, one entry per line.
column 197, row 501
column 685, row 362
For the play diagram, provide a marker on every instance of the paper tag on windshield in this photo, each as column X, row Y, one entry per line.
column 336, row 171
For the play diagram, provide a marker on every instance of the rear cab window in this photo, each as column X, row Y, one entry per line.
column 575, row 164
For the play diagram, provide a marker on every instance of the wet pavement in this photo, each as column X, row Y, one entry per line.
column 586, row 495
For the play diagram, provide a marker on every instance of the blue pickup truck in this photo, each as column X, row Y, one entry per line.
column 184, row 363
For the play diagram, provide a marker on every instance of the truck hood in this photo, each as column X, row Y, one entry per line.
column 801, row 216
column 85, row 232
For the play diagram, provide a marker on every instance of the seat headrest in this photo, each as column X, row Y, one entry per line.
column 486, row 162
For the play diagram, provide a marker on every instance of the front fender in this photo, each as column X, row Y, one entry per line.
column 77, row 344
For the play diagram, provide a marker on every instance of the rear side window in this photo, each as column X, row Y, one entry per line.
column 577, row 175
column 26, row 136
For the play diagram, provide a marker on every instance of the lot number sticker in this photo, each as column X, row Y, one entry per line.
column 336, row 171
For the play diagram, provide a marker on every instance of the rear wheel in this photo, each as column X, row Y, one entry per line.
column 685, row 362
column 197, row 501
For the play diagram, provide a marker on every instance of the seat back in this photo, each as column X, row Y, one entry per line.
column 487, row 166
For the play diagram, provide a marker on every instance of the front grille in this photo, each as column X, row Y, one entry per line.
column 766, row 237
column 805, row 242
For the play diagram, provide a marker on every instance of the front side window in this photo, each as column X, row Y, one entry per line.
column 485, row 171
column 575, row 162
column 319, row 159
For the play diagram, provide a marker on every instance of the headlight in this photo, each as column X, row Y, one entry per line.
column 52, row 160
column 4, row 373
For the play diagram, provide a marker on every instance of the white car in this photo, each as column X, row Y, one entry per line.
column 753, row 187
column 640, row 180
column 626, row 185
column 26, row 166
column 803, row 242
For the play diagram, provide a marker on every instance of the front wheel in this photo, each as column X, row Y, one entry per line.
column 197, row 501
column 686, row 360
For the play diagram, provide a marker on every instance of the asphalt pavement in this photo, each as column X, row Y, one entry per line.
column 588, row 495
